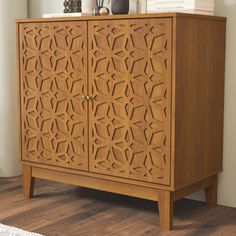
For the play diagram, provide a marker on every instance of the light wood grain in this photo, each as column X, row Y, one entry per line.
column 165, row 204
column 96, row 183
column 97, row 175
column 199, row 99
column 28, row 182
column 211, row 193
column 192, row 188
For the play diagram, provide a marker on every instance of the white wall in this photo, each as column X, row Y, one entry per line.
column 227, row 190
column 227, row 180
column 39, row 7
column 9, row 155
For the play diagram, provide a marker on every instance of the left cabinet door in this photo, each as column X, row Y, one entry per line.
column 52, row 82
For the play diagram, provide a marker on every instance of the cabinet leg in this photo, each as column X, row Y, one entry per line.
column 28, row 182
column 211, row 193
column 165, row 204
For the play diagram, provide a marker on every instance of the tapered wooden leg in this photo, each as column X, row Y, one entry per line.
column 211, row 193
column 28, row 182
column 165, row 204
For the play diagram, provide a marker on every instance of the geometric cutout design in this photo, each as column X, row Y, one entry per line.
column 53, row 79
column 130, row 82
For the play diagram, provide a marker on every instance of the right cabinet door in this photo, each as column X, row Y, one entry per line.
column 130, row 109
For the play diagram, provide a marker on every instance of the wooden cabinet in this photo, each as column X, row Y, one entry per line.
column 127, row 104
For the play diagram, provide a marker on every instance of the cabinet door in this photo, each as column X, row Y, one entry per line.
column 130, row 84
column 53, row 78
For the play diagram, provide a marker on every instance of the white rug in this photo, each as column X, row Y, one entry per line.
column 12, row 231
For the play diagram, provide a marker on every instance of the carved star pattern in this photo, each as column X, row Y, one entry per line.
column 131, row 112
column 54, row 76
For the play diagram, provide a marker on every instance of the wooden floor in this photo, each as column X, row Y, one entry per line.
column 59, row 209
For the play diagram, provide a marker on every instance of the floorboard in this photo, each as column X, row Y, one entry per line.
column 64, row 210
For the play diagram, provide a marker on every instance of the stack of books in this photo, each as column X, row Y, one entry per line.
column 190, row 6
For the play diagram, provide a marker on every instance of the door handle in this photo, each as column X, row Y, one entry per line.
column 86, row 98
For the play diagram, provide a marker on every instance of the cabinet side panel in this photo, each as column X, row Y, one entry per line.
column 199, row 101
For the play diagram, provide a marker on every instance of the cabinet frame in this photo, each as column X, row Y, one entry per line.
column 193, row 36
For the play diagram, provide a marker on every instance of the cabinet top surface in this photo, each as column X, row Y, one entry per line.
column 117, row 17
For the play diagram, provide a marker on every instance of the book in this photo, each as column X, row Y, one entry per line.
column 64, row 15
column 193, row 6
column 193, row 3
column 200, row 12
column 151, row 8
column 208, row 2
